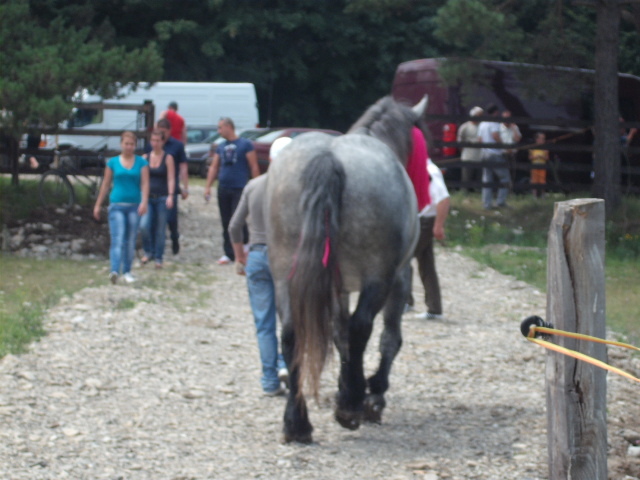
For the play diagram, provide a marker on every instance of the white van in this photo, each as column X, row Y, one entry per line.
column 200, row 103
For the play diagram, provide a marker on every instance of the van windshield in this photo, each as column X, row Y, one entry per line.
column 85, row 116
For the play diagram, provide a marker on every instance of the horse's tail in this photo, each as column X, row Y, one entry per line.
column 314, row 281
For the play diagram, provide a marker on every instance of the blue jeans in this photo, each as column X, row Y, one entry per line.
column 489, row 175
column 153, row 227
column 123, row 228
column 263, row 304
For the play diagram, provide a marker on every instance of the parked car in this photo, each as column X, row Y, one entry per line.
column 198, row 159
column 199, row 134
column 263, row 143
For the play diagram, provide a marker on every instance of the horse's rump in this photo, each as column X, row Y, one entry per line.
column 341, row 211
column 313, row 279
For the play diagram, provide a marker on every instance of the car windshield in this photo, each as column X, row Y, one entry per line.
column 211, row 138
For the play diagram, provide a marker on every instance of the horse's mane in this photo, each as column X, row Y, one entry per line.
column 390, row 122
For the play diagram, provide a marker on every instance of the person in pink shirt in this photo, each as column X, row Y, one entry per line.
column 417, row 168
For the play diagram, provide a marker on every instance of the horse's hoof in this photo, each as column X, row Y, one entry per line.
column 305, row 438
column 373, row 407
column 348, row 419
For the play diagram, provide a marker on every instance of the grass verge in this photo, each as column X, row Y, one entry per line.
column 513, row 241
column 29, row 286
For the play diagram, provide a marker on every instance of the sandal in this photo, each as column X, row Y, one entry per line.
column 144, row 260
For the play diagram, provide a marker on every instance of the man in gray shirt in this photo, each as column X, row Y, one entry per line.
column 255, row 265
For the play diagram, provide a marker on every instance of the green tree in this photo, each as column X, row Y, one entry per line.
column 44, row 63
column 313, row 63
column 554, row 33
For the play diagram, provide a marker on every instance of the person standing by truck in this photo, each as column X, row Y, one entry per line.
column 539, row 157
column 509, row 135
column 178, row 124
column 468, row 133
column 489, row 133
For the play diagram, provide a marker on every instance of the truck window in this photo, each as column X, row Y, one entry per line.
column 85, row 116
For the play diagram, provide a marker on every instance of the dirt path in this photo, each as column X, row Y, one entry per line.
column 160, row 380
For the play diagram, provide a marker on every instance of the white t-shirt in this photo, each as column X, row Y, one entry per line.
column 507, row 135
column 437, row 190
column 485, row 132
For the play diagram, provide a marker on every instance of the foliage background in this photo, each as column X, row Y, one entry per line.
column 320, row 63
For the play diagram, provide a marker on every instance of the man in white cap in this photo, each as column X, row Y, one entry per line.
column 255, row 265
column 468, row 133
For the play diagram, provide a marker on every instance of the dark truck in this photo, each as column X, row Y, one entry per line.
column 555, row 100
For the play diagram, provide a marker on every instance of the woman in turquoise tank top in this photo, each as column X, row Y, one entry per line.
column 128, row 173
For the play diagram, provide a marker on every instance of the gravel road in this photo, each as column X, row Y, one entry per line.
column 160, row 380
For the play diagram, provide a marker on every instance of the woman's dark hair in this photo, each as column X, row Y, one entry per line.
column 158, row 132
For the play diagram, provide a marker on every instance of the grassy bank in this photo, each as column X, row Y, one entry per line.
column 513, row 241
column 28, row 286
column 17, row 202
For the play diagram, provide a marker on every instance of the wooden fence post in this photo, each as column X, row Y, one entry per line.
column 576, row 391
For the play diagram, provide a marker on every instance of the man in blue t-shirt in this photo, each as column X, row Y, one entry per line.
column 175, row 148
column 234, row 163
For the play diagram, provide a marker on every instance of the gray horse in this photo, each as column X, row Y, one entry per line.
column 342, row 218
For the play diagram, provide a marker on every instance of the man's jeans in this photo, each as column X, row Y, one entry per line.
column 489, row 175
column 153, row 227
column 123, row 227
column 263, row 304
column 172, row 218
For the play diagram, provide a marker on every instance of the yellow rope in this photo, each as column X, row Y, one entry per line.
column 580, row 356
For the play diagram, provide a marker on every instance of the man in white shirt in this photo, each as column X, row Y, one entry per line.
column 509, row 134
column 432, row 219
column 468, row 133
column 489, row 132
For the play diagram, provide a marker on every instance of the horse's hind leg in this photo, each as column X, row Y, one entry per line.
column 352, row 384
column 297, row 427
column 390, row 343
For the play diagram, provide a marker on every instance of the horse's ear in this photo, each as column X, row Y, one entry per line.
column 421, row 106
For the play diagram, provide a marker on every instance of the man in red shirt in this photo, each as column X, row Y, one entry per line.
column 178, row 125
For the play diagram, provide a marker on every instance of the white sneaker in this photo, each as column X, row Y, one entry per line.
column 283, row 376
column 129, row 278
column 224, row 260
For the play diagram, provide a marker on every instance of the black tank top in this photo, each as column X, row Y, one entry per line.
column 158, row 177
